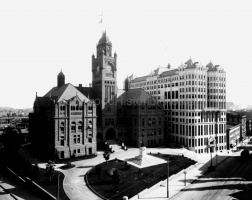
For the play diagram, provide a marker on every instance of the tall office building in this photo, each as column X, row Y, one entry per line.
column 194, row 99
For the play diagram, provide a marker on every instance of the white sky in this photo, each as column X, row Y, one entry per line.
column 39, row 38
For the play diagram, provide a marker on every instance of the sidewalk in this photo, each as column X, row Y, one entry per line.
column 178, row 183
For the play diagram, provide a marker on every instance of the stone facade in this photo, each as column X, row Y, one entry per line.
column 63, row 124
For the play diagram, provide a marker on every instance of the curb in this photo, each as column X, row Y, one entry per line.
column 86, row 180
column 204, row 173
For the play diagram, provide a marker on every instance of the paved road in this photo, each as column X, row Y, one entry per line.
column 230, row 180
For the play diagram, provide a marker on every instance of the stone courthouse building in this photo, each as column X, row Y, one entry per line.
column 63, row 123
column 70, row 120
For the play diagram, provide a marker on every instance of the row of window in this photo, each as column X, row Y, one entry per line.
column 153, row 142
column 191, row 130
column 192, row 89
column 192, row 83
column 182, row 77
column 75, row 126
column 216, row 90
column 192, row 76
column 193, row 114
column 150, row 132
column 77, row 107
column 216, row 84
column 197, row 142
column 215, row 78
column 216, row 97
column 189, row 120
column 174, row 78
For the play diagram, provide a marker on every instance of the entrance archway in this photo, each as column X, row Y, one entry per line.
column 110, row 134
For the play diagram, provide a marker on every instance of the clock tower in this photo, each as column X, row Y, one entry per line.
column 104, row 83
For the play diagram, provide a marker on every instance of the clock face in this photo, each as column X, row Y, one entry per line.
column 109, row 69
column 98, row 69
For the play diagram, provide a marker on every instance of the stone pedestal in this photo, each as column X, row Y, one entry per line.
column 142, row 152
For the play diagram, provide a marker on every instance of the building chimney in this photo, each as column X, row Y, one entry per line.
column 80, row 85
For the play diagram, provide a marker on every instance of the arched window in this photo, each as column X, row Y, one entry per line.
column 90, row 126
column 77, row 107
column 80, row 126
column 62, row 127
column 73, row 127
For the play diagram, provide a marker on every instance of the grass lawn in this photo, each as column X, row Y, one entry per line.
column 133, row 181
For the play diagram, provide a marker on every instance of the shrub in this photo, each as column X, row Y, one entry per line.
column 244, row 155
column 111, row 171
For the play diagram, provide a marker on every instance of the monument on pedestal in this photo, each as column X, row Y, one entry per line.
column 144, row 160
column 142, row 151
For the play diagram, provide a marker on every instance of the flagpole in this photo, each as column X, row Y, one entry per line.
column 101, row 21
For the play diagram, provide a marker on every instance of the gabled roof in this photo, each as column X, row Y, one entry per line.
column 120, row 92
column 87, row 91
column 132, row 77
column 139, row 79
column 212, row 67
column 169, row 73
column 160, row 70
column 65, row 92
column 189, row 63
column 134, row 95
column 43, row 101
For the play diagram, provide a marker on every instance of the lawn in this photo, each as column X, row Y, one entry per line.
column 133, row 180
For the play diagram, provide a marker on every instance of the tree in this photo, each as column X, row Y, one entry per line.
column 50, row 169
column 11, row 139
column 116, row 177
column 106, row 156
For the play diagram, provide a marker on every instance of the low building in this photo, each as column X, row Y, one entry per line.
column 233, row 136
column 140, row 119
column 235, row 119
column 249, row 126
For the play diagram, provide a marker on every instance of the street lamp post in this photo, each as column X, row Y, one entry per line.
column 211, row 146
column 58, row 185
column 185, row 176
column 168, row 178
column 211, row 157
column 216, row 158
